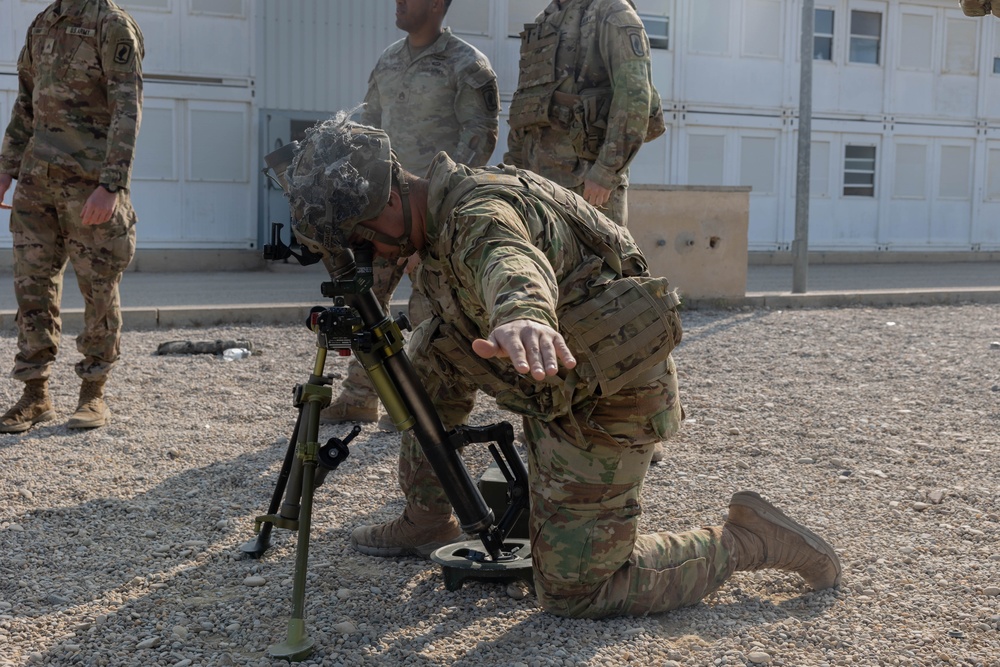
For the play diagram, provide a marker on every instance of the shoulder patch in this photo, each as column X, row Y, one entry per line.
column 124, row 52
column 637, row 40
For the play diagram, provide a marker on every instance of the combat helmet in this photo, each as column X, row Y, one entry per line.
column 341, row 175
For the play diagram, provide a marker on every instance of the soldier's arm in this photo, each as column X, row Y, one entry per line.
column 121, row 58
column 495, row 258
column 515, row 149
column 980, row 7
column 22, row 117
column 371, row 113
column 477, row 108
column 625, row 49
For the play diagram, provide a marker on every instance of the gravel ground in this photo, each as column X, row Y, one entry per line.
column 879, row 428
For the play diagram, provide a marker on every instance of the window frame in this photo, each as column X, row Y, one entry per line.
column 845, row 186
column 822, row 35
column 878, row 39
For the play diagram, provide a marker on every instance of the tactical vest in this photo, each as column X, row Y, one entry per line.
column 582, row 114
column 621, row 332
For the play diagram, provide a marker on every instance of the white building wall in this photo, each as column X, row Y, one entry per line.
column 229, row 80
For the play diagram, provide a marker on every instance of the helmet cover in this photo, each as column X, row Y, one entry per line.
column 340, row 176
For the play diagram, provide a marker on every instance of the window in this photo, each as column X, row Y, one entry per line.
column 218, row 7
column 757, row 164
column 706, row 154
column 996, row 47
column 859, row 171
column 823, row 35
column 762, row 29
column 993, row 175
column 819, row 169
column 956, row 172
column 710, row 27
column 960, row 46
column 911, row 171
column 470, row 18
column 915, row 42
column 658, row 30
column 520, row 12
column 866, row 37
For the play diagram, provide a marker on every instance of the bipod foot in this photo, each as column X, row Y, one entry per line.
column 255, row 548
column 464, row 561
column 297, row 645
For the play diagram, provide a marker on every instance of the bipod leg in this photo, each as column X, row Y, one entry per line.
column 255, row 548
column 298, row 645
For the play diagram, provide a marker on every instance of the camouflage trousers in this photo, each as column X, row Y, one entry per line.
column 585, row 478
column 46, row 226
column 357, row 389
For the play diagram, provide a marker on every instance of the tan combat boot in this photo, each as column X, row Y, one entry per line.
column 34, row 406
column 415, row 533
column 92, row 412
column 350, row 408
column 766, row 538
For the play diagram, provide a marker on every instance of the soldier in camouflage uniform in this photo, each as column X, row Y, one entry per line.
column 545, row 304
column 70, row 144
column 430, row 92
column 585, row 100
column 980, row 7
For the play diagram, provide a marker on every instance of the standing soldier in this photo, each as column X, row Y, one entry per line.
column 430, row 92
column 70, row 145
column 585, row 100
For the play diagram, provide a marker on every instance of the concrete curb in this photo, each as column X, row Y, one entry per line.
column 181, row 317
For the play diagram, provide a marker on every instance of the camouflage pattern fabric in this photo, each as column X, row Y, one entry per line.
column 444, row 99
column 979, row 7
column 491, row 261
column 595, row 51
column 74, row 125
column 45, row 223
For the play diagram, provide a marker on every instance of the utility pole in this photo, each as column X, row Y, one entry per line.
column 800, row 246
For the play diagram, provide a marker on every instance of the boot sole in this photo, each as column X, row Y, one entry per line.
column 767, row 511
column 423, row 551
column 21, row 427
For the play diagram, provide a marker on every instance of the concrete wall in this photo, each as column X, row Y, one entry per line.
column 695, row 236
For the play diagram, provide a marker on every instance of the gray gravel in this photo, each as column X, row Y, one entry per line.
column 879, row 428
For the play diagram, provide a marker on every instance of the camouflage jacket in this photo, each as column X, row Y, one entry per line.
column 445, row 99
column 79, row 99
column 598, row 50
column 500, row 253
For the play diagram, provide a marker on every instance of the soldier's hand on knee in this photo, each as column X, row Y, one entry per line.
column 532, row 347
column 99, row 207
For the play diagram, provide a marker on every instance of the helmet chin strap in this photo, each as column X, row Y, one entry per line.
column 403, row 242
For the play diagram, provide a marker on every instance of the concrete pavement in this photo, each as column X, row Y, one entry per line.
column 284, row 293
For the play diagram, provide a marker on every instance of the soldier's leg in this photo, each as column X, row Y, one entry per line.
column 427, row 522
column 100, row 254
column 589, row 560
column 39, row 257
column 358, row 400
column 39, row 260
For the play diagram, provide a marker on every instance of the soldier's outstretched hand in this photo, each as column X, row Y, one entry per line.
column 532, row 347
